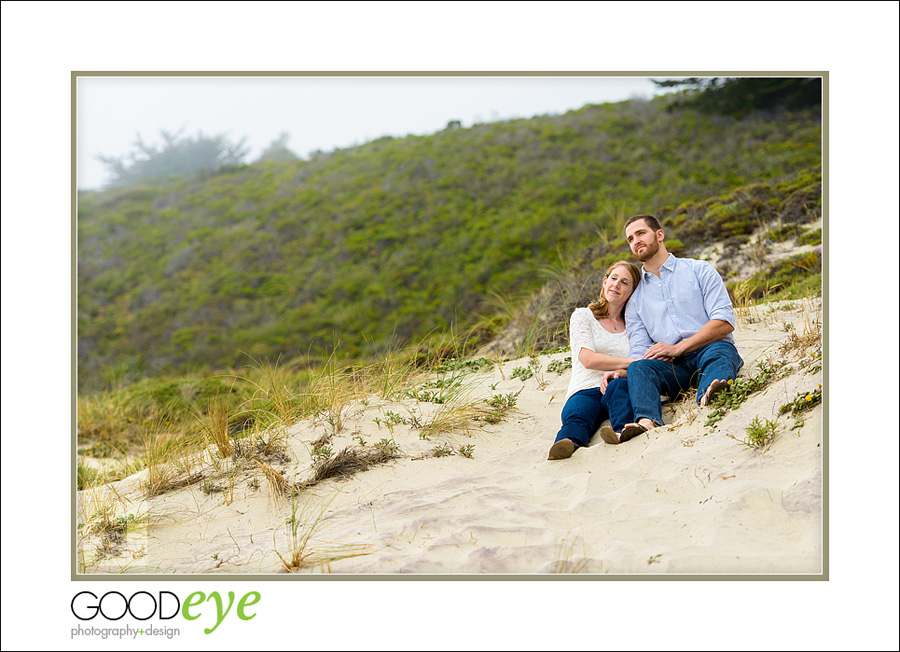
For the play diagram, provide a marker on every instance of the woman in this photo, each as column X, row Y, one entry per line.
column 599, row 344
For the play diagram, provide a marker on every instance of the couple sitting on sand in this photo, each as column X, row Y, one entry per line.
column 658, row 331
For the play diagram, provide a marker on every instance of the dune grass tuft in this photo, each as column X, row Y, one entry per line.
column 306, row 518
column 279, row 486
column 172, row 461
column 350, row 460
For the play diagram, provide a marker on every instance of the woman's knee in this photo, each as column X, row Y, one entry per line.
column 617, row 387
column 584, row 411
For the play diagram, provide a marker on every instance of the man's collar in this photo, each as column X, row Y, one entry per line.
column 669, row 265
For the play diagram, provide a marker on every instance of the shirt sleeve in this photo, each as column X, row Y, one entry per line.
column 638, row 338
column 580, row 335
column 715, row 296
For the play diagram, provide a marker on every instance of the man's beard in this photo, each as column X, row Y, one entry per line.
column 648, row 252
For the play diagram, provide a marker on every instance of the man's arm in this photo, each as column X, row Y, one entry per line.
column 718, row 307
column 713, row 331
column 716, row 301
column 639, row 339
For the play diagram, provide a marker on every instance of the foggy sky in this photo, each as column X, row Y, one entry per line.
column 319, row 113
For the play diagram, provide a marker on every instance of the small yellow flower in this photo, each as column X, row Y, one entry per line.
column 820, row 384
column 808, row 397
column 731, row 382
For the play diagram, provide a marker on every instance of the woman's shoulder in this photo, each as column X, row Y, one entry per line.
column 582, row 315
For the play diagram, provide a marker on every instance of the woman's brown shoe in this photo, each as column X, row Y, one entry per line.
column 562, row 450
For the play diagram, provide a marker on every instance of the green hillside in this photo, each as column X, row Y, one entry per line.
column 394, row 239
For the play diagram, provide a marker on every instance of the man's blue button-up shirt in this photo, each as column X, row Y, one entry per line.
column 674, row 306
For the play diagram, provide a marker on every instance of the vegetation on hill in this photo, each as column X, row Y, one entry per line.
column 739, row 231
column 387, row 242
column 736, row 96
column 142, row 424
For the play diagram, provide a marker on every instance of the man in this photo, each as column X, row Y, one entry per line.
column 679, row 322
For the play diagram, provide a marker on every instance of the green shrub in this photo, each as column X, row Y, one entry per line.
column 811, row 237
column 782, row 233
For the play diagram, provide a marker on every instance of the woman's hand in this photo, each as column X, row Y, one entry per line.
column 611, row 375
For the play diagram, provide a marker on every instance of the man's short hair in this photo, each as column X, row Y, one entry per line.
column 649, row 220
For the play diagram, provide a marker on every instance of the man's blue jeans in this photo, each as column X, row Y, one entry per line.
column 648, row 379
column 586, row 410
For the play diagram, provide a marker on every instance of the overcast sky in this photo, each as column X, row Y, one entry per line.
column 321, row 113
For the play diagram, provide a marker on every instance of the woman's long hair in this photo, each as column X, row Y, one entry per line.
column 600, row 307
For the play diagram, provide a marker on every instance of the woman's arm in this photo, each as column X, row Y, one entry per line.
column 602, row 361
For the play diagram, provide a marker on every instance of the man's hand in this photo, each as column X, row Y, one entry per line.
column 661, row 351
column 608, row 376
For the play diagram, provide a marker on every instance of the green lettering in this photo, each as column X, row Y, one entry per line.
column 190, row 602
column 220, row 616
column 246, row 603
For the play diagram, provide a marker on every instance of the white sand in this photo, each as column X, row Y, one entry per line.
column 683, row 499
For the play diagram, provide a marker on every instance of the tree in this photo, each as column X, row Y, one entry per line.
column 177, row 156
column 278, row 150
column 738, row 95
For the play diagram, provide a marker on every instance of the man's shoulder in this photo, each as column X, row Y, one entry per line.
column 696, row 265
column 692, row 262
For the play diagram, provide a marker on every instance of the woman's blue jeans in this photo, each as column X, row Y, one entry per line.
column 647, row 379
column 586, row 410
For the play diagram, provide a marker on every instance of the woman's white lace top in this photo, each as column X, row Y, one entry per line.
column 586, row 332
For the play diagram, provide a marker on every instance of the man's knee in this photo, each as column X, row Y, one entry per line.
column 719, row 347
column 719, row 353
column 644, row 375
column 641, row 368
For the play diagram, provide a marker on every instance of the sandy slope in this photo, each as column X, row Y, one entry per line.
column 682, row 499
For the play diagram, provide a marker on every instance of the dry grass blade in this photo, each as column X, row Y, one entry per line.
column 215, row 427
column 331, row 391
column 392, row 373
column 744, row 307
column 349, row 461
column 455, row 416
column 456, row 410
column 276, row 400
column 104, row 523
column 567, row 562
column 278, row 485
column 171, row 483
column 810, row 337
column 302, row 524
column 170, row 462
column 324, row 440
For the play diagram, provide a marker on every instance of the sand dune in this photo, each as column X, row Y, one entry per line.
column 682, row 499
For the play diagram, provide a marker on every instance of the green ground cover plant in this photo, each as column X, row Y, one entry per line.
column 796, row 277
column 499, row 405
column 742, row 387
column 560, row 366
column 803, row 402
column 760, row 435
column 811, row 237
